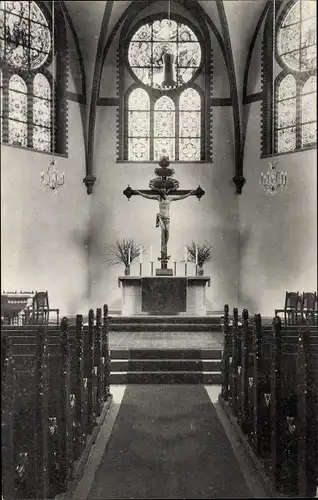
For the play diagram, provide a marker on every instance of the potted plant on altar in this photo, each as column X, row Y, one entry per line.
column 124, row 252
column 199, row 253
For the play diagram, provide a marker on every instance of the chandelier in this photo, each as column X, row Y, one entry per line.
column 51, row 179
column 274, row 179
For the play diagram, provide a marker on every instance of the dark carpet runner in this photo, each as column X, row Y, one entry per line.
column 167, row 442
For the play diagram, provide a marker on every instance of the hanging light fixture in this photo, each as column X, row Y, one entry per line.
column 51, row 179
column 168, row 56
column 274, row 179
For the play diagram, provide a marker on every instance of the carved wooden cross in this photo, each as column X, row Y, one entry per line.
column 165, row 192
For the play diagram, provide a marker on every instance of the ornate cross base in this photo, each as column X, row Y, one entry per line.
column 164, row 271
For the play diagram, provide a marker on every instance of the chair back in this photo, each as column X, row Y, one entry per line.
column 41, row 300
column 309, row 301
column 292, row 301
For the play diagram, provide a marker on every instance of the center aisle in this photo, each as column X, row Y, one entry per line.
column 168, row 442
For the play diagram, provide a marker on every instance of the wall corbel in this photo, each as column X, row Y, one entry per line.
column 90, row 179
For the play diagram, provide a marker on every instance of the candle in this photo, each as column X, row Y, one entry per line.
column 128, row 256
column 185, row 254
column 150, row 253
column 140, row 255
column 196, row 255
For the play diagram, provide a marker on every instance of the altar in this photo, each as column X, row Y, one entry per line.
column 184, row 295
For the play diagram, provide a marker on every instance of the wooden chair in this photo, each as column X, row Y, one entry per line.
column 309, row 308
column 39, row 312
column 292, row 309
column 40, row 309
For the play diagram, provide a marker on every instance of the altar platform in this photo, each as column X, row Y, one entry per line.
column 165, row 340
column 174, row 295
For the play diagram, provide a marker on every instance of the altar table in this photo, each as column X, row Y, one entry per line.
column 164, row 295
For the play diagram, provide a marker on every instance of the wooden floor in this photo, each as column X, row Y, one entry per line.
column 165, row 340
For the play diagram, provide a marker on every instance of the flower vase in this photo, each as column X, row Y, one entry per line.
column 200, row 271
column 127, row 271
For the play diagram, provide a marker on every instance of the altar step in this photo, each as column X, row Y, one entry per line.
column 165, row 323
column 166, row 366
column 146, row 318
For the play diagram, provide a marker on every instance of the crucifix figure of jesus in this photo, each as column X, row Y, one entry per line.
column 163, row 217
column 164, row 189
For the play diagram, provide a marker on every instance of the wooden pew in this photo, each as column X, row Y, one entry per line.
column 66, row 386
column 271, row 389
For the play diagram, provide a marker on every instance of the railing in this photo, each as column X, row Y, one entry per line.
column 54, row 393
column 270, row 388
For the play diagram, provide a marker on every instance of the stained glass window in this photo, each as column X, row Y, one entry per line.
column 41, row 113
column 25, row 40
column 286, row 109
column 18, row 102
column 176, row 126
column 162, row 118
column 190, row 125
column 138, row 125
column 164, row 128
column 296, row 44
column 153, row 40
column 25, row 43
column 309, row 112
column 296, row 41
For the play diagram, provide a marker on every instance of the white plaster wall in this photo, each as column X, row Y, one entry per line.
column 278, row 235
column 213, row 218
column 43, row 234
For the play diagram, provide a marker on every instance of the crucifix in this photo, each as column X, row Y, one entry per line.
column 163, row 188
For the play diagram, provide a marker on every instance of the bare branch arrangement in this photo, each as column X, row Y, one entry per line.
column 200, row 251
column 124, row 252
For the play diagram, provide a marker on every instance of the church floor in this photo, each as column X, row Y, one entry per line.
column 166, row 441
column 165, row 340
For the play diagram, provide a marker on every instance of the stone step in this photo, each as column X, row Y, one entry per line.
column 171, row 365
column 164, row 327
column 142, row 319
column 179, row 377
column 165, row 354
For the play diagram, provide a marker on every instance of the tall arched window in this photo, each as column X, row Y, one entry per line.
column 163, row 111
column 286, row 114
column 295, row 85
column 309, row 112
column 164, row 128
column 190, row 125
column 41, row 113
column 18, row 102
column 26, row 61
column 139, row 125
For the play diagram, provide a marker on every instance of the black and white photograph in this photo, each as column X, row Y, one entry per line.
column 159, row 249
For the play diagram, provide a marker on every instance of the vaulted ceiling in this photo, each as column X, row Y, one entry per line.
column 235, row 21
column 241, row 17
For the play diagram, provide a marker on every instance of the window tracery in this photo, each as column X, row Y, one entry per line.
column 295, row 106
column 26, row 61
column 161, row 119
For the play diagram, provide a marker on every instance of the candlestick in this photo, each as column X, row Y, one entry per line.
column 140, row 268
column 151, row 268
column 185, row 269
column 128, row 256
column 175, row 267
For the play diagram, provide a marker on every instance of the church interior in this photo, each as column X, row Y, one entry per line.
column 143, row 341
